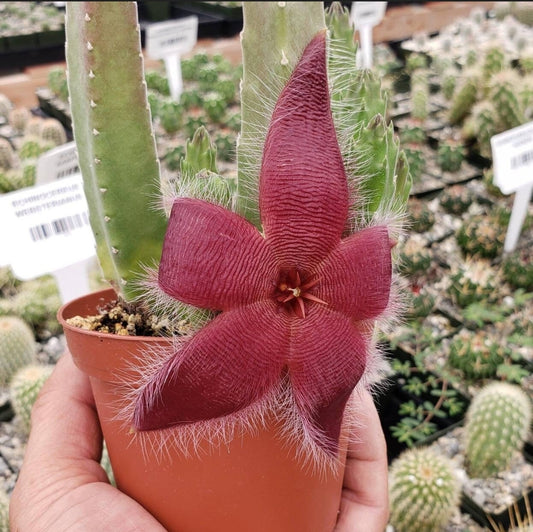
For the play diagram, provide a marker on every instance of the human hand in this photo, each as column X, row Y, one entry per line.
column 61, row 486
column 364, row 501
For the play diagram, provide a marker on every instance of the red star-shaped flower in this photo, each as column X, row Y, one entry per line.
column 296, row 302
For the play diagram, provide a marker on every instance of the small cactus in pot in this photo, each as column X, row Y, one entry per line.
column 450, row 156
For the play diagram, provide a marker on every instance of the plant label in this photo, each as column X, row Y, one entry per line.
column 48, row 230
column 512, row 155
column 366, row 15
column 168, row 41
column 57, row 163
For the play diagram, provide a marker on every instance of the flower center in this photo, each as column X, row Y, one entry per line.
column 292, row 292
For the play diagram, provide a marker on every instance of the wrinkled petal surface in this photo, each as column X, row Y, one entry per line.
column 213, row 258
column 228, row 365
column 327, row 360
column 355, row 279
column 303, row 187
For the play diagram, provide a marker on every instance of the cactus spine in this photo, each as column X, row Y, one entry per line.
column 118, row 158
column 24, row 389
column 424, row 491
column 17, row 347
column 497, row 424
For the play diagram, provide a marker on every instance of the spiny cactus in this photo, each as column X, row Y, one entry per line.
column 416, row 160
column 421, row 303
column 464, row 97
column 456, row 199
column 420, row 94
column 57, row 81
column 421, row 217
column 19, row 118
column 448, row 83
column 214, row 106
column 157, row 82
column 416, row 61
column 482, row 125
column 412, row 133
column 476, row 355
column 517, row 269
column 506, row 101
column 170, row 116
column 34, row 126
column 225, row 144
column 424, row 491
column 24, row 388
column 414, row 256
column 31, row 148
column 17, row 347
column 494, row 61
column 450, row 156
column 496, row 427
column 7, row 154
column 53, row 132
column 472, row 283
column 482, row 236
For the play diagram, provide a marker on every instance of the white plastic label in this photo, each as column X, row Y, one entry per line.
column 171, row 37
column 367, row 13
column 57, row 163
column 512, row 156
column 47, row 227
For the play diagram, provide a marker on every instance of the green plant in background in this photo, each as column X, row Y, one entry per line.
column 19, row 118
column 476, row 355
column 517, row 269
column 481, row 125
column 435, row 399
column 416, row 160
column 420, row 304
column 502, row 92
column 214, row 105
column 17, row 347
column 173, row 157
column 225, row 144
column 412, row 134
column 414, row 257
column 494, row 61
column 456, row 199
column 424, row 491
column 7, row 154
column 416, row 61
column 420, row 94
column 157, row 81
column 421, row 217
column 449, row 82
column 57, row 81
column 496, row 427
column 53, row 132
column 473, row 282
column 465, row 95
column 483, row 235
column 24, row 388
column 30, row 149
column 450, row 156
column 170, row 116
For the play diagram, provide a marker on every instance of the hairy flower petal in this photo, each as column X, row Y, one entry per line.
column 213, row 258
column 355, row 279
column 328, row 356
column 303, row 188
column 229, row 364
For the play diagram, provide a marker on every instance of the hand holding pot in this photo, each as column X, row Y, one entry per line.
column 62, row 486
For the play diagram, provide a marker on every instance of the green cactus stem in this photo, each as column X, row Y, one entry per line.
column 7, row 154
column 279, row 25
column 450, row 156
column 497, row 424
column 114, row 138
column 464, row 97
column 424, row 491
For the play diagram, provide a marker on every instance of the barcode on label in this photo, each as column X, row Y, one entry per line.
column 522, row 159
column 59, row 226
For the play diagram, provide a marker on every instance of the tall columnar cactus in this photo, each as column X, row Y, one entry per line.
column 424, row 491
column 420, row 94
column 117, row 156
column 503, row 92
column 465, row 95
column 17, row 347
column 497, row 425
column 495, row 61
column 24, row 389
column 482, row 125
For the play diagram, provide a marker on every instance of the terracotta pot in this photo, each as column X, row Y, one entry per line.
column 254, row 483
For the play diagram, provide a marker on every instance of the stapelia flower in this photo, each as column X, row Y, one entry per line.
column 297, row 302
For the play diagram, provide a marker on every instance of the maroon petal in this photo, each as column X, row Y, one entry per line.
column 328, row 356
column 228, row 365
column 303, row 189
column 356, row 277
column 213, row 258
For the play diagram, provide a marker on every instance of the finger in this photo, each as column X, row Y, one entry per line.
column 64, row 420
column 364, row 504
